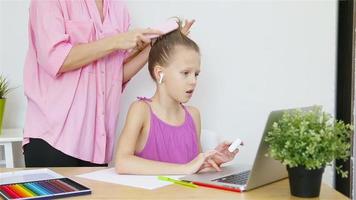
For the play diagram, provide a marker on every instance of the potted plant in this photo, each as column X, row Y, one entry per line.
column 306, row 141
column 4, row 90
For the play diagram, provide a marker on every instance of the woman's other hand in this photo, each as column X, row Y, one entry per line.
column 187, row 25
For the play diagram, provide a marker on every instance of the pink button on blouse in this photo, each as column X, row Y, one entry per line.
column 75, row 112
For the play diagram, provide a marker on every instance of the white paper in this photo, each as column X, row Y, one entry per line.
column 28, row 176
column 140, row 181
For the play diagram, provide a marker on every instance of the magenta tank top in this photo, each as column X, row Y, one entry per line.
column 168, row 143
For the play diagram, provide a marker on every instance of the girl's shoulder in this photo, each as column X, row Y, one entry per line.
column 139, row 110
column 139, row 107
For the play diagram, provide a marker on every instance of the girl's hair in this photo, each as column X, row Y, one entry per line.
column 164, row 47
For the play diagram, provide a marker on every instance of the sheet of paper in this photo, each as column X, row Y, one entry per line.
column 140, row 181
column 28, row 176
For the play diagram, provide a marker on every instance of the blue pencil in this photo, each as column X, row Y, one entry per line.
column 34, row 189
column 39, row 187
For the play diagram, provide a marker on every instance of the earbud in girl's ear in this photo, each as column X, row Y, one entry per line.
column 160, row 77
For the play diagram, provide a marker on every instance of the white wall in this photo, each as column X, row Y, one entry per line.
column 256, row 56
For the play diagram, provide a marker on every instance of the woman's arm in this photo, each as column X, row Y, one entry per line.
column 135, row 62
column 83, row 54
column 128, row 163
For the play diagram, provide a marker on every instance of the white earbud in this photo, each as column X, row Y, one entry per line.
column 160, row 77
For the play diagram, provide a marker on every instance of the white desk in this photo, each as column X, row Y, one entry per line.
column 7, row 137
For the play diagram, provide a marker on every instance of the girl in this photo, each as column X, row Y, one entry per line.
column 161, row 135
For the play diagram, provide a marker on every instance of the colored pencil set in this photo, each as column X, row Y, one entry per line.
column 44, row 189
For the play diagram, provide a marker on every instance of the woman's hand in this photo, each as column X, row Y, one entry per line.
column 134, row 39
column 195, row 165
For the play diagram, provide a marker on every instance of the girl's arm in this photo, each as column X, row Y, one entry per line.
column 223, row 156
column 209, row 164
column 128, row 163
column 196, row 118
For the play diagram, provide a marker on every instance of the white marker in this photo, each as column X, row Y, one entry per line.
column 235, row 145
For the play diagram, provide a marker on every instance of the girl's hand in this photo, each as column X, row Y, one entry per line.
column 196, row 164
column 134, row 39
column 206, row 169
column 187, row 25
column 225, row 155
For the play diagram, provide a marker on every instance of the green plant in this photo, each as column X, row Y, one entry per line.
column 312, row 139
column 4, row 87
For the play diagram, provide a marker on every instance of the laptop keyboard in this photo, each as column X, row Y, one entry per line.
column 239, row 179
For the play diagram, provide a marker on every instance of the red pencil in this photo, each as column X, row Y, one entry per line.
column 10, row 192
column 217, row 187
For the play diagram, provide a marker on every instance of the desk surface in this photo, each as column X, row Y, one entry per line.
column 102, row 190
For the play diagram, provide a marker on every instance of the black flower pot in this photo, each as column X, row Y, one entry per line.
column 304, row 182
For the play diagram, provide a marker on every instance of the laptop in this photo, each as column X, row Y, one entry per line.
column 265, row 170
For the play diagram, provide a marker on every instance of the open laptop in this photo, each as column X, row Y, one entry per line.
column 239, row 178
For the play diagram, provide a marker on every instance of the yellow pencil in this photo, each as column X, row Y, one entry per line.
column 179, row 182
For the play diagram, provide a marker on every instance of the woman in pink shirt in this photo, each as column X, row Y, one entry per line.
column 80, row 55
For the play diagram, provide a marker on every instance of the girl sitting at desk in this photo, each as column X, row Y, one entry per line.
column 161, row 135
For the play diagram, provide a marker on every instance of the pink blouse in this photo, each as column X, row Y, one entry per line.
column 75, row 112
